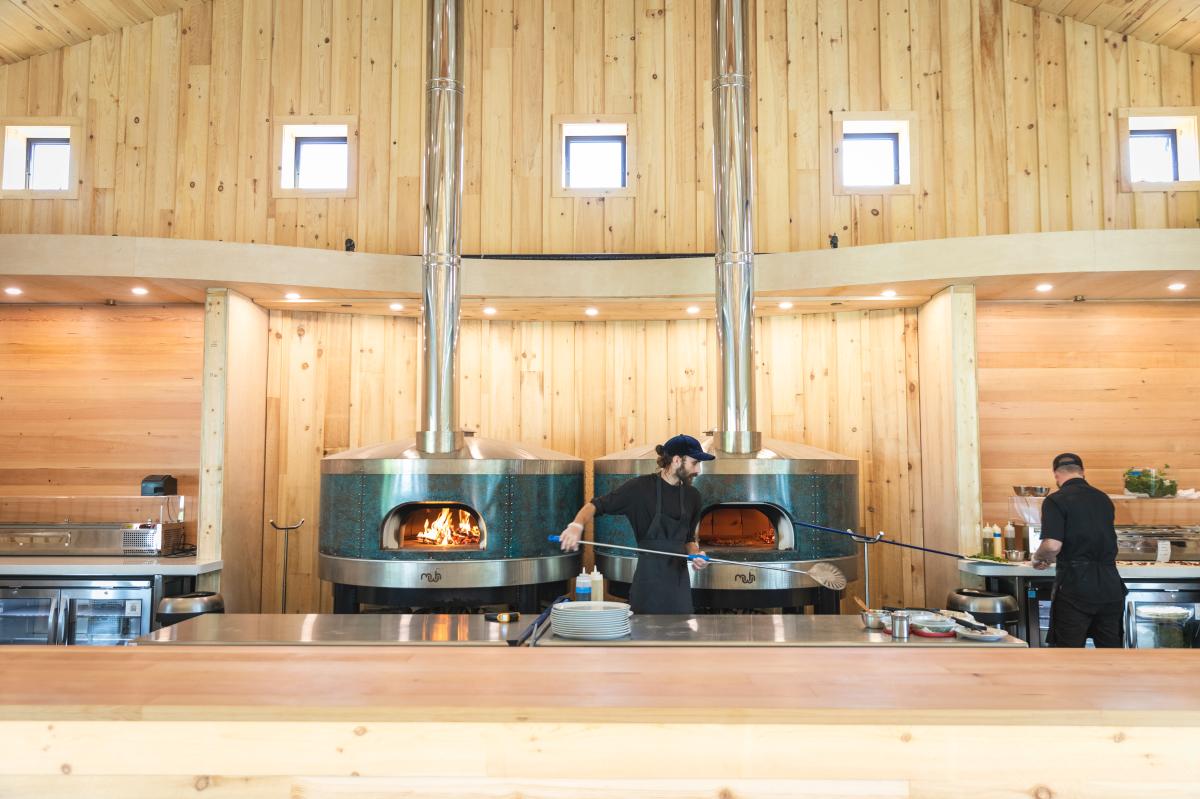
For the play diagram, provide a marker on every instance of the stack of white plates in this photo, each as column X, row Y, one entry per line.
column 595, row 621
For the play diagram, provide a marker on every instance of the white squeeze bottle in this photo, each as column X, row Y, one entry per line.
column 1010, row 536
column 583, row 586
column 597, row 584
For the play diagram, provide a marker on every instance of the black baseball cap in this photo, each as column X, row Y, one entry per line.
column 686, row 446
column 1067, row 459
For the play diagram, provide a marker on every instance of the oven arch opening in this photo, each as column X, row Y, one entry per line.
column 434, row 526
column 745, row 527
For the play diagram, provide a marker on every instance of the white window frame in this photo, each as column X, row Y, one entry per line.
column 15, row 132
column 557, row 124
column 281, row 160
column 903, row 123
column 1185, row 121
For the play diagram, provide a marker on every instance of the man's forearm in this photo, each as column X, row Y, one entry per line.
column 585, row 515
column 1047, row 552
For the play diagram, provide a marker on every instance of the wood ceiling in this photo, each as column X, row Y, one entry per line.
column 30, row 27
column 1171, row 23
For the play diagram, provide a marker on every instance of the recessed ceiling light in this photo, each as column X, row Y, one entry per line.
column 1172, row 287
column 395, row 306
column 141, row 292
column 291, row 295
column 592, row 311
column 693, row 309
column 1044, row 287
column 887, row 293
column 786, row 306
column 12, row 291
column 490, row 311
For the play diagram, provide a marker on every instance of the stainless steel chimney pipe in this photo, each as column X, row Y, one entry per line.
column 733, row 190
column 441, row 215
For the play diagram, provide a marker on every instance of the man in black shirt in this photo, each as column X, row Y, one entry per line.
column 663, row 508
column 1077, row 531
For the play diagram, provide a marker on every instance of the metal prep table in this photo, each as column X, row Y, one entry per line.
column 473, row 630
column 1028, row 585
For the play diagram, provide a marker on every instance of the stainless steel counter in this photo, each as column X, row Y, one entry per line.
column 1148, row 571
column 765, row 630
column 338, row 630
column 67, row 566
column 472, row 630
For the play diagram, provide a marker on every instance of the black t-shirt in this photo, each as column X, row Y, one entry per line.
column 1082, row 518
column 635, row 500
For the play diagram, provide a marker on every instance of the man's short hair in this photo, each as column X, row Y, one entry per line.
column 1068, row 462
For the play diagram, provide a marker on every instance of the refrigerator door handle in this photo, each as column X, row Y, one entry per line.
column 52, row 625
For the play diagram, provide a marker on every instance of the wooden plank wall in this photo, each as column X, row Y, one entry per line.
column 1015, row 110
column 846, row 382
column 949, row 434
column 1114, row 382
column 233, row 432
column 93, row 399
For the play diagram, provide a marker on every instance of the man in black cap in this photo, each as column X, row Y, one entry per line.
column 1077, row 531
column 663, row 508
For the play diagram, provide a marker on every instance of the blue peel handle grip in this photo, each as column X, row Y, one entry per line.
column 698, row 557
column 555, row 538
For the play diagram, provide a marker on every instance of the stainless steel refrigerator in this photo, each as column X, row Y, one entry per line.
column 74, row 611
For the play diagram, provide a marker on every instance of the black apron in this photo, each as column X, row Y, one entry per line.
column 662, row 584
column 1087, row 585
column 1089, row 582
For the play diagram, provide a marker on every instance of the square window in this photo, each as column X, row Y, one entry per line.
column 1153, row 156
column 41, row 157
column 874, row 152
column 870, row 159
column 1160, row 149
column 47, row 164
column 594, row 156
column 594, row 162
column 315, row 156
column 321, row 162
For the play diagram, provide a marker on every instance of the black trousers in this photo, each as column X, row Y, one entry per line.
column 1071, row 623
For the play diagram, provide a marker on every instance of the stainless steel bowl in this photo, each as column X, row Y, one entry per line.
column 1016, row 555
column 1030, row 491
column 875, row 619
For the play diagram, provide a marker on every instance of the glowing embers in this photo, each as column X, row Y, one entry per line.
column 433, row 526
column 745, row 527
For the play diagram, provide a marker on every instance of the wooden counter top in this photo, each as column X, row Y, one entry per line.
column 488, row 722
column 508, row 684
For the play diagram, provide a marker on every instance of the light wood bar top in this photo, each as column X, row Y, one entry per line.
column 1152, row 687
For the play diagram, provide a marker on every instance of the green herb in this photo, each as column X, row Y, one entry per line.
column 988, row 556
column 1150, row 483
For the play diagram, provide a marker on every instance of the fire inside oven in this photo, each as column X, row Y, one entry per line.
column 745, row 527
column 434, row 526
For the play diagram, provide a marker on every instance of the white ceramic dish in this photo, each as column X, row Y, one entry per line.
column 990, row 634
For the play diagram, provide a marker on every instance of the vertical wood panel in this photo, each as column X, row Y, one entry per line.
column 1084, row 132
column 1053, row 127
column 225, row 83
column 991, row 81
column 132, row 137
column 528, row 128
column 650, row 230
column 496, row 157
column 772, row 232
column 958, row 115
column 1114, row 94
